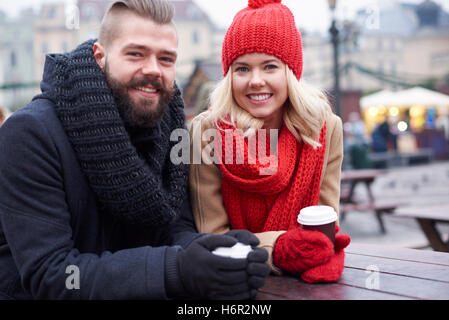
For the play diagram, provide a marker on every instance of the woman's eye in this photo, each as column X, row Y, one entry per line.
column 271, row 66
column 241, row 69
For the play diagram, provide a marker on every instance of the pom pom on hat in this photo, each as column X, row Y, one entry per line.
column 265, row 26
column 260, row 3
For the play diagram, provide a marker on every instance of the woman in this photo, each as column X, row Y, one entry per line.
column 242, row 185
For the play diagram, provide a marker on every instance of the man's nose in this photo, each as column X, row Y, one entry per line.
column 257, row 79
column 151, row 67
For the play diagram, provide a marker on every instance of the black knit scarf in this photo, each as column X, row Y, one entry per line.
column 129, row 170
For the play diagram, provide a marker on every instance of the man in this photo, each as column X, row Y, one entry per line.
column 91, row 207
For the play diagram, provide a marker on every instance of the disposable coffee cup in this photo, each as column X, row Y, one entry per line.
column 319, row 218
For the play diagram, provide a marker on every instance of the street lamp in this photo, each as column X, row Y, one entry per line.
column 334, row 34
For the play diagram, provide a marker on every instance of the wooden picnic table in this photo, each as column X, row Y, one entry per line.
column 349, row 180
column 427, row 217
column 353, row 177
column 372, row 272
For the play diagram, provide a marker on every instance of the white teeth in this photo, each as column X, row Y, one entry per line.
column 146, row 89
column 260, row 97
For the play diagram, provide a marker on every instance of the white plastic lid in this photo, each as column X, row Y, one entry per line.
column 317, row 215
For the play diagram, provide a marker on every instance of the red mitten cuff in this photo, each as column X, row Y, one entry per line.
column 298, row 250
column 327, row 272
column 341, row 240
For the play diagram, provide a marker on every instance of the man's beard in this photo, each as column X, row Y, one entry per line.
column 145, row 115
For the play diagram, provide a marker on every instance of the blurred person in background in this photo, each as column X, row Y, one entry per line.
column 356, row 142
column 381, row 137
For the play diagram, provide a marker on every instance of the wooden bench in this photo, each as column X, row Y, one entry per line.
column 349, row 180
column 346, row 192
column 378, row 208
column 427, row 217
column 396, row 159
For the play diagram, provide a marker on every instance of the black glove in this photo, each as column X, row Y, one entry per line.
column 244, row 236
column 207, row 276
column 257, row 269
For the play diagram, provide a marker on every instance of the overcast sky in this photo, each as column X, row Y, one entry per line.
column 309, row 14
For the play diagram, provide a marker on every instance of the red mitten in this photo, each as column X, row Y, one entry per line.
column 341, row 240
column 298, row 250
column 332, row 270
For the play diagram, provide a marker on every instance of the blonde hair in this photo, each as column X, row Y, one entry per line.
column 160, row 11
column 304, row 111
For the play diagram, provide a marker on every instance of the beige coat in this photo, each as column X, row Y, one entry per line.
column 205, row 181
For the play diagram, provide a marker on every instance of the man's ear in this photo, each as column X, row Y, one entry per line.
column 99, row 54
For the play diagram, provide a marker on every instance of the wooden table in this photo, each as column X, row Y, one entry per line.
column 372, row 272
column 351, row 178
column 427, row 217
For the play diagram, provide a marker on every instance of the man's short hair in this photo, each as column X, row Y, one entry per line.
column 160, row 11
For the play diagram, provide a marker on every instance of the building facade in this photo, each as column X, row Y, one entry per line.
column 52, row 34
column 17, row 82
column 407, row 45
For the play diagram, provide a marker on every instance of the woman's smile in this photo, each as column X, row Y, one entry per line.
column 260, row 98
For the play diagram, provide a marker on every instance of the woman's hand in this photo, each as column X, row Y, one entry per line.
column 332, row 270
column 298, row 250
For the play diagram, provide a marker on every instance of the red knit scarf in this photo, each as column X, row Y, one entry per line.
column 269, row 202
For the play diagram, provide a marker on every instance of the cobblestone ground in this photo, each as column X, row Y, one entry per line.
column 414, row 185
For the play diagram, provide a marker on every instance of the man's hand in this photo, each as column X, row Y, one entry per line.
column 257, row 269
column 208, row 276
column 244, row 236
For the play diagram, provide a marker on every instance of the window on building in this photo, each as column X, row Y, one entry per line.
column 380, row 67
column 44, row 48
column 195, row 37
column 193, row 12
column 379, row 44
column 392, row 44
column 393, row 73
column 51, row 13
column 13, row 59
column 90, row 11
column 380, row 71
column 393, row 68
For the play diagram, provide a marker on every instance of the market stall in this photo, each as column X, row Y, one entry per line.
column 410, row 113
column 416, row 106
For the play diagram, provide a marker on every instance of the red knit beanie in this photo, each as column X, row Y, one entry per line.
column 265, row 26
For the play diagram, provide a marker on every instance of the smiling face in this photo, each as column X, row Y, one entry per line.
column 139, row 65
column 259, row 86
